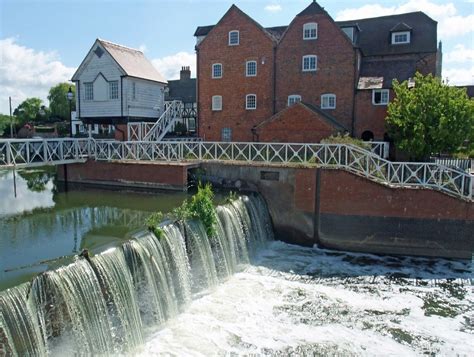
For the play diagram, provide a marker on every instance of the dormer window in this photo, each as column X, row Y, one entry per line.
column 399, row 38
column 233, row 38
column 349, row 31
column 310, row 31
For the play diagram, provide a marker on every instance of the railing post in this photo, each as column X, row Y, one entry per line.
column 27, row 151
column 45, row 151
column 8, row 153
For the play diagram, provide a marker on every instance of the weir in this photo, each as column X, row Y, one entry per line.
column 108, row 303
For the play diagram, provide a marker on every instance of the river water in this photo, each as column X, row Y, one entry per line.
column 239, row 295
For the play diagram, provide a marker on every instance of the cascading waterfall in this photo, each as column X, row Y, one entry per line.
column 106, row 304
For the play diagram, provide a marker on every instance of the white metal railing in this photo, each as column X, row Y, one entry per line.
column 380, row 148
column 37, row 152
column 462, row 164
column 347, row 157
column 156, row 131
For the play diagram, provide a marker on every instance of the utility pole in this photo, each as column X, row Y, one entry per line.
column 11, row 118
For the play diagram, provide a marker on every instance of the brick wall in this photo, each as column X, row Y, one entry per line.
column 296, row 124
column 335, row 67
column 234, row 85
column 368, row 116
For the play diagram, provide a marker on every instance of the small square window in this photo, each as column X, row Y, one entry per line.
column 399, row 38
column 113, row 90
column 216, row 102
column 88, row 91
column 293, row 99
column 328, row 101
column 380, row 96
column 310, row 63
column 251, row 68
column 226, row 134
column 217, row 70
column 250, row 102
column 233, row 38
column 310, row 31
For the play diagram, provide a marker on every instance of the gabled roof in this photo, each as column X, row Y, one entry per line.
column 205, row 30
column 313, row 9
column 132, row 62
column 329, row 119
column 374, row 36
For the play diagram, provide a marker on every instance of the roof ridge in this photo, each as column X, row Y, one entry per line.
column 384, row 16
column 118, row 45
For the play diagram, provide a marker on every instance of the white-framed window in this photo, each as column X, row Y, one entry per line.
column 400, row 37
column 310, row 63
column 88, row 91
column 310, row 31
column 226, row 134
column 293, row 99
column 234, row 38
column 216, row 102
column 380, row 96
column 251, row 101
column 251, row 68
column 349, row 31
column 328, row 101
column 217, row 70
column 134, row 91
column 113, row 90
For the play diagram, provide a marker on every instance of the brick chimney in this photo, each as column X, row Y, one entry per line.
column 185, row 73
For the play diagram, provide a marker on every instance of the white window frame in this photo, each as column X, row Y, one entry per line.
column 310, row 69
column 247, row 69
column 88, row 91
column 401, row 33
column 113, row 92
column 247, row 97
column 293, row 99
column 226, row 134
column 383, row 93
column 213, row 71
column 216, row 103
column 326, row 101
column 230, row 38
column 310, row 26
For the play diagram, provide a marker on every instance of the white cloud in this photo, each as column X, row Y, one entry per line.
column 170, row 66
column 450, row 23
column 25, row 73
column 273, row 8
column 459, row 76
column 460, row 54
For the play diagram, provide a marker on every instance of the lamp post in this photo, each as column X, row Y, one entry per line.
column 70, row 95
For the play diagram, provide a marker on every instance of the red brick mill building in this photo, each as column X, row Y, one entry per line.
column 310, row 79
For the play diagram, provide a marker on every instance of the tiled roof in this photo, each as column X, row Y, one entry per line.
column 182, row 89
column 388, row 69
column 132, row 61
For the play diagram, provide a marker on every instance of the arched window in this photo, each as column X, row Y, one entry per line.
column 234, row 38
column 310, row 31
column 217, row 70
column 250, row 102
column 310, row 63
column 367, row 135
column 216, row 102
column 251, row 68
column 293, row 99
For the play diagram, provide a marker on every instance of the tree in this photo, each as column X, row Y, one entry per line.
column 430, row 118
column 5, row 124
column 30, row 110
column 58, row 102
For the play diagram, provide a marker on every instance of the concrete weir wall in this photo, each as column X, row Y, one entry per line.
column 340, row 210
column 333, row 208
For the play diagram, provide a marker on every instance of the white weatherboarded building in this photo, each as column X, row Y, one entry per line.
column 117, row 85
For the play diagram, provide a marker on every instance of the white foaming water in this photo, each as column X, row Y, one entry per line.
column 309, row 301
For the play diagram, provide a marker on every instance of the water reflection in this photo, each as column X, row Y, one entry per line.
column 34, row 190
column 43, row 228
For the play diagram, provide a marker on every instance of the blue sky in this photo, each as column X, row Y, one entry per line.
column 42, row 42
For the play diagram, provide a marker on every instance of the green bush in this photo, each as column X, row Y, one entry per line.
column 153, row 223
column 346, row 139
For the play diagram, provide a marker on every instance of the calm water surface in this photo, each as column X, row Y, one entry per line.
column 44, row 227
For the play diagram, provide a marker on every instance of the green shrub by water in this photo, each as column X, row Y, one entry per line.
column 346, row 139
column 153, row 223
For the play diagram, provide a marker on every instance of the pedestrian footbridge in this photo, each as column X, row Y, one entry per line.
column 359, row 161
